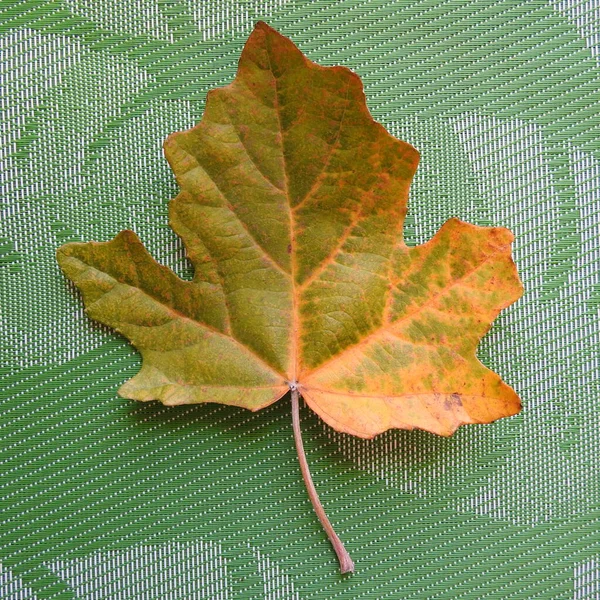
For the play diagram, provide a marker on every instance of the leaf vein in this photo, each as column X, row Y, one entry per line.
column 181, row 315
column 386, row 327
column 247, row 151
column 331, row 258
column 319, row 178
column 231, row 208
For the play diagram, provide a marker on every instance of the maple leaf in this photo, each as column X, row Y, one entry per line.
column 291, row 209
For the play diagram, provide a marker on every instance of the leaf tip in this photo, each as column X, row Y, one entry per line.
column 65, row 254
column 514, row 405
column 66, row 250
column 62, row 252
column 126, row 235
column 266, row 30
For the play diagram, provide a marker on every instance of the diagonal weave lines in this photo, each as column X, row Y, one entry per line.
column 501, row 99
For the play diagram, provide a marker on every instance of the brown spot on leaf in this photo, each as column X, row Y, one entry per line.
column 453, row 401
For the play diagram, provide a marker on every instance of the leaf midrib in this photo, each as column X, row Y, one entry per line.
column 295, row 342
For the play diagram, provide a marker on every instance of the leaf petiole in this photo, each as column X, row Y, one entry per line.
column 346, row 564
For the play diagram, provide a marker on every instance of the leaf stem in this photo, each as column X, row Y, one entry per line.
column 346, row 564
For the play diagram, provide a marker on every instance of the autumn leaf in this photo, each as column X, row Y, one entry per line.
column 291, row 210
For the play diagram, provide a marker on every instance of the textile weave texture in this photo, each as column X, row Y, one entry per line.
column 107, row 499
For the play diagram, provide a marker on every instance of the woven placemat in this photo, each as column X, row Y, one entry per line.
column 105, row 499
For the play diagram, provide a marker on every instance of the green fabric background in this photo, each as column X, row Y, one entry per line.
column 103, row 498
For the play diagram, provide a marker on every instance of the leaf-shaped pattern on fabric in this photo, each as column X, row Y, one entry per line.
column 291, row 209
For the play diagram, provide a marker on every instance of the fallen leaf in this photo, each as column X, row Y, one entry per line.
column 291, row 209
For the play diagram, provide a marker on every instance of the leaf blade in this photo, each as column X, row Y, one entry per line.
column 162, row 316
column 291, row 209
column 418, row 369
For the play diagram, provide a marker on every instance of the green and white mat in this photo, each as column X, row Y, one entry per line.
column 106, row 499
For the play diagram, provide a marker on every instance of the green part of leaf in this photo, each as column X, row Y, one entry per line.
column 180, row 327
